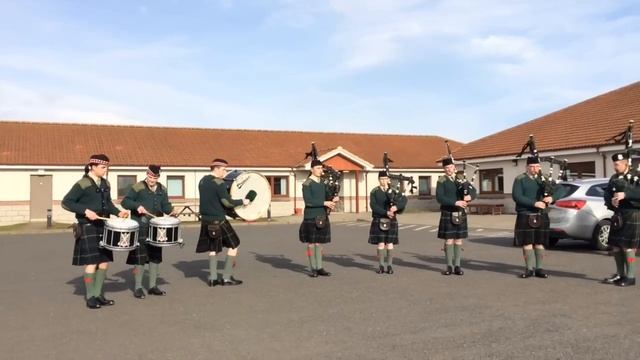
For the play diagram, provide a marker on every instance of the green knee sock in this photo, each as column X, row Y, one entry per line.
column 528, row 258
column 381, row 256
column 138, row 273
column 312, row 258
column 101, row 274
column 213, row 269
column 630, row 256
column 457, row 254
column 539, row 257
column 448, row 254
column 89, row 283
column 154, row 271
column 389, row 257
column 620, row 262
column 228, row 267
column 318, row 254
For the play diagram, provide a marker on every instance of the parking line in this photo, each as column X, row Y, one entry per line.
column 433, row 230
column 421, row 228
column 406, row 227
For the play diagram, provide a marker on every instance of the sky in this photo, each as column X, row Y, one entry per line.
column 458, row 69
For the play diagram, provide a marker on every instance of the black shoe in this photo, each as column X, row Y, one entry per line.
column 458, row 271
column 104, row 301
column 613, row 279
column 380, row 270
column 156, row 291
column 448, row 271
column 627, row 282
column 212, row 282
column 92, row 303
column 139, row 294
column 389, row 270
column 541, row 274
column 314, row 273
column 323, row 272
column 228, row 282
column 527, row 274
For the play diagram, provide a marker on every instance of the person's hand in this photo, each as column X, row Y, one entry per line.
column 390, row 214
column 540, row 204
column 123, row 214
column 461, row 203
column 141, row 210
column 548, row 199
column 330, row 204
column 619, row 195
column 246, row 202
column 393, row 209
column 91, row 215
column 336, row 199
column 173, row 213
column 467, row 198
column 615, row 202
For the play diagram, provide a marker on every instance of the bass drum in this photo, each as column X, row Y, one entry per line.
column 239, row 183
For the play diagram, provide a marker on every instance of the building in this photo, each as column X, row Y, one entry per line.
column 39, row 162
column 580, row 133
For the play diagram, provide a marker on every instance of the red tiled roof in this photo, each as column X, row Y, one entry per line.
column 29, row 143
column 586, row 124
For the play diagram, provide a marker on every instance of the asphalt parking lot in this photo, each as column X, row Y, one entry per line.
column 281, row 313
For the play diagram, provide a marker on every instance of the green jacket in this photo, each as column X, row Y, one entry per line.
column 86, row 194
column 631, row 191
column 314, row 194
column 380, row 203
column 447, row 193
column 215, row 198
column 155, row 202
column 527, row 191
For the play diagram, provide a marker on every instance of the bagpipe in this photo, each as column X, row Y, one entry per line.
column 626, row 136
column 463, row 184
column 547, row 182
column 396, row 191
column 330, row 177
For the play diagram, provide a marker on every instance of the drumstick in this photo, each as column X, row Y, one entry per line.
column 102, row 218
column 149, row 214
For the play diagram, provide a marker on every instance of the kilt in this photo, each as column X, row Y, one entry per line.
column 310, row 234
column 377, row 236
column 87, row 250
column 526, row 235
column 227, row 238
column 144, row 253
column 447, row 230
column 628, row 236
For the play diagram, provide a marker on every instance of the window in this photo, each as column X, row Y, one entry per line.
column 424, row 185
column 279, row 185
column 581, row 170
column 175, row 187
column 124, row 183
column 491, row 181
column 597, row 190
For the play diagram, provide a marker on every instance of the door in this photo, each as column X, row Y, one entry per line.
column 41, row 197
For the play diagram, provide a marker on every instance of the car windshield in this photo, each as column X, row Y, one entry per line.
column 597, row 190
column 568, row 189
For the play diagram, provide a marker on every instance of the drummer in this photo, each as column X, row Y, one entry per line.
column 90, row 200
column 215, row 231
column 147, row 199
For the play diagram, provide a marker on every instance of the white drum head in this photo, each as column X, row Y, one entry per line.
column 122, row 224
column 246, row 182
column 166, row 221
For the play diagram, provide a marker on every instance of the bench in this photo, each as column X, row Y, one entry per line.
column 480, row 209
column 187, row 210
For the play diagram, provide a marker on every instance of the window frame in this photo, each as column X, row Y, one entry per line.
column 495, row 173
column 124, row 190
column 176, row 177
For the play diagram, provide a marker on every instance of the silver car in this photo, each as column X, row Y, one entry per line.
column 581, row 213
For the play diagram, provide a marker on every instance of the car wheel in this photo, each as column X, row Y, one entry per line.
column 600, row 238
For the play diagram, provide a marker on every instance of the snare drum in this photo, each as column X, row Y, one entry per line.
column 120, row 235
column 164, row 231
